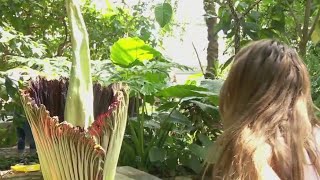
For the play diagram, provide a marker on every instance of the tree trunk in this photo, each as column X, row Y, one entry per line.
column 213, row 46
column 305, row 29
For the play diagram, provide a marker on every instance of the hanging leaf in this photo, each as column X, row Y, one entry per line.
column 127, row 51
column 163, row 14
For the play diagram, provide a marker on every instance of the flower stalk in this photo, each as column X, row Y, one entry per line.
column 79, row 108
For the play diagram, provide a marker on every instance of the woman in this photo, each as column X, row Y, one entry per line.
column 270, row 130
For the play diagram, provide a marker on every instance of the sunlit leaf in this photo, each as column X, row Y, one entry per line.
column 6, row 36
column 127, row 50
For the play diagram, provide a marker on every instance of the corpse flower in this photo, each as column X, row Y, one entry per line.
column 78, row 127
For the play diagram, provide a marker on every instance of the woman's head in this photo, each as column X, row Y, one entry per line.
column 265, row 74
column 266, row 100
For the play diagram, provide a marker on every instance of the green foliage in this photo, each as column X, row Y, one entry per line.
column 182, row 91
column 315, row 37
column 170, row 126
column 43, row 21
column 8, row 137
column 283, row 20
column 10, row 105
column 126, row 51
column 13, row 42
column 105, row 29
column 313, row 64
column 25, row 36
column 174, row 131
column 163, row 13
column 167, row 118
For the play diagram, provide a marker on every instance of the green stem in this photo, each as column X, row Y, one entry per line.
column 134, row 137
column 161, row 132
column 139, row 144
column 142, row 127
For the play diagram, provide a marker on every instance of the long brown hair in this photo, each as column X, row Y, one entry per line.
column 267, row 114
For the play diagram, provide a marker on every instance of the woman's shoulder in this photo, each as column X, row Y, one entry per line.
column 316, row 133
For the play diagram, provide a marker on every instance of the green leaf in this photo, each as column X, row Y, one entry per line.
column 182, row 91
column 152, row 124
column 198, row 150
column 127, row 50
column 155, row 77
column 163, row 13
column 6, row 36
column 255, row 15
column 213, row 86
column 10, row 87
column 167, row 106
column 205, row 140
column 278, row 18
column 194, row 164
column 315, row 37
column 206, row 107
column 267, row 33
column 252, row 26
column 175, row 117
column 225, row 17
column 172, row 160
column 157, row 154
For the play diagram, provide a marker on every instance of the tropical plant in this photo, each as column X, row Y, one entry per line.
column 157, row 132
column 312, row 62
column 79, row 147
column 293, row 22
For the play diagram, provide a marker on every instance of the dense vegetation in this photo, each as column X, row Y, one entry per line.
column 170, row 126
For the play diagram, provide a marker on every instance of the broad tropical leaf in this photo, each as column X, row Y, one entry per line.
column 131, row 50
